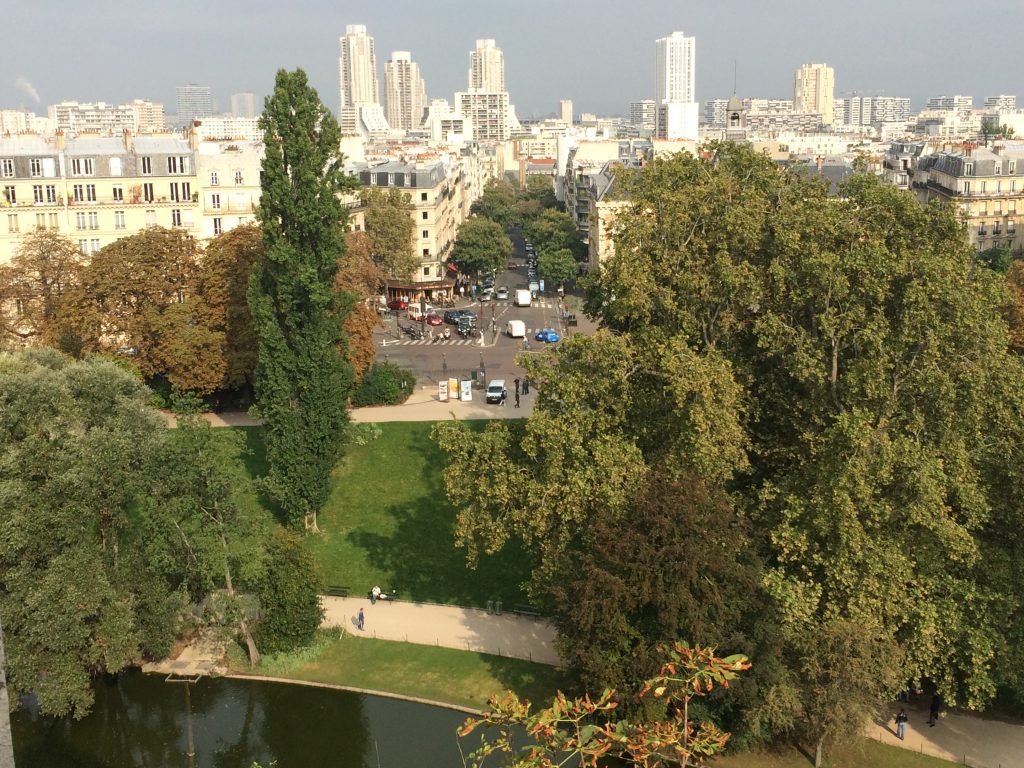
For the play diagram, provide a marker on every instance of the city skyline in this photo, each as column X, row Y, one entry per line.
column 616, row 66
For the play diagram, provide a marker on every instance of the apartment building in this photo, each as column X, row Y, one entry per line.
column 228, row 180
column 95, row 189
column 987, row 185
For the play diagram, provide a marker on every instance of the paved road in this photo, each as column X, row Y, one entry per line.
column 447, row 626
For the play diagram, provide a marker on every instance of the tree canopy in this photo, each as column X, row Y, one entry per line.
column 390, row 227
column 303, row 378
column 481, row 246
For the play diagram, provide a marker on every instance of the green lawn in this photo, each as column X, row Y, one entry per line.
column 866, row 754
column 388, row 522
column 422, row 671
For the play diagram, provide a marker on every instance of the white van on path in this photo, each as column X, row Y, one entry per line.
column 516, row 329
column 523, row 297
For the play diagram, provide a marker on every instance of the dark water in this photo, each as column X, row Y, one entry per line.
column 140, row 721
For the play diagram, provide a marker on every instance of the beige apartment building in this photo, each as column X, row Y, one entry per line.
column 95, row 189
column 987, row 185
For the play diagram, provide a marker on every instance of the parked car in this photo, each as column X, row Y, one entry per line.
column 502, row 293
column 434, row 319
column 485, row 295
column 452, row 315
column 496, row 392
column 398, row 304
column 489, row 281
column 548, row 335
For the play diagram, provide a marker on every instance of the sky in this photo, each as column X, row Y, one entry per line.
column 599, row 53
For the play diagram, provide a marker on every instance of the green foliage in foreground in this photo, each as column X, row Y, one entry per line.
column 384, row 384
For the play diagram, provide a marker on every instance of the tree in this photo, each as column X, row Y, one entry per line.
column 481, row 246
column 33, row 286
column 497, row 203
column 557, row 266
column 302, row 377
column 360, row 276
column 77, row 441
column 289, row 595
column 553, row 230
column 998, row 258
column 572, row 729
column 223, row 282
column 390, row 226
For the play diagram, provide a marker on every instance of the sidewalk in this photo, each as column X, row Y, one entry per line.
column 448, row 626
column 966, row 739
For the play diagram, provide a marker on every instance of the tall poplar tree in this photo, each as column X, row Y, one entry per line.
column 303, row 379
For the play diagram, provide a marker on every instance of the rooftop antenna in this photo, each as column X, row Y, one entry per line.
column 734, row 77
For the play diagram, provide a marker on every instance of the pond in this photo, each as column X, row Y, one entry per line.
column 141, row 721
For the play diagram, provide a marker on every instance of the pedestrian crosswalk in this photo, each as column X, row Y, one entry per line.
column 455, row 341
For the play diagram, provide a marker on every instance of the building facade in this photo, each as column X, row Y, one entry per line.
column 677, row 114
column 488, row 111
column 642, row 114
column 360, row 94
column 243, row 105
column 486, row 67
column 814, row 91
column 193, row 101
column 137, row 116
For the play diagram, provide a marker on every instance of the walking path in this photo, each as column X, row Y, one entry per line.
column 447, row 626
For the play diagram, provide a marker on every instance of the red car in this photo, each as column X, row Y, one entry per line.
column 434, row 319
column 398, row 304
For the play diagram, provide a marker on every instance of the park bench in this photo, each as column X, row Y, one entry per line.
column 525, row 610
column 336, row 591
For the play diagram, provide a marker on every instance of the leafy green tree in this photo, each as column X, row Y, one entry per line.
column 303, row 380
column 33, row 286
column 553, row 230
column 390, row 226
column 481, row 246
column 77, row 441
column 497, row 203
column 288, row 592
column 557, row 266
column 998, row 258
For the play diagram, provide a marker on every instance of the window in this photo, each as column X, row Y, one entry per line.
column 423, row 197
column 37, row 193
column 118, row 193
column 82, row 166
column 79, row 192
column 41, row 220
column 997, row 207
column 150, row 218
column 177, row 164
column 115, row 166
column 1011, row 228
column 94, row 246
column 214, row 179
column 186, row 191
column 90, row 193
column 176, row 217
column 424, row 216
column 981, row 187
column 217, row 227
column 426, row 252
column 999, row 169
column 54, row 224
column 9, row 195
column 35, row 167
column 83, row 246
column 426, row 233
column 426, row 271
column 12, row 222
column 80, row 220
column 1011, row 206
column 997, row 229
column 7, row 168
column 968, row 169
column 983, row 208
column 118, row 219
column 94, row 220
column 239, row 179
column 174, row 192
column 982, row 230
column 147, row 192
column 1013, row 167
column 966, row 188
column 147, row 165
column 215, row 201
column 51, row 193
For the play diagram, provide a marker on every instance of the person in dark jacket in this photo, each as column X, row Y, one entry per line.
column 933, row 709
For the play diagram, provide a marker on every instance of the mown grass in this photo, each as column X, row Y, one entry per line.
column 866, row 753
column 420, row 671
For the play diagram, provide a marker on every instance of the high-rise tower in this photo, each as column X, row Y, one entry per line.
column 405, row 95
column 360, row 95
column 814, row 88
column 487, row 67
column 675, row 92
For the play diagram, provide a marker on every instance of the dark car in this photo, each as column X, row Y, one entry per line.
column 452, row 315
column 398, row 304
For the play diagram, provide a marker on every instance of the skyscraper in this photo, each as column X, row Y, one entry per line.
column 360, row 95
column 487, row 67
column 193, row 101
column 675, row 93
column 814, row 88
column 243, row 104
column 405, row 95
column 565, row 108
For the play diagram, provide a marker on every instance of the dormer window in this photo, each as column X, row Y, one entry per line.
column 968, row 169
column 999, row 169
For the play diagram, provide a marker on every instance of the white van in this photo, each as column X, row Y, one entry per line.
column 516, row 329
column 415, row 313
column 523, row 297
column 534, row 288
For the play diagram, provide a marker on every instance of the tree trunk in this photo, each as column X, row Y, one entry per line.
column 819, row 753
column 250, row 643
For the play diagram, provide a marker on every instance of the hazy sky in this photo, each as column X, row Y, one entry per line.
column 599, row 53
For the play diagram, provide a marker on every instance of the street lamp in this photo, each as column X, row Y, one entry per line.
column 483, row 371
column 444, row 366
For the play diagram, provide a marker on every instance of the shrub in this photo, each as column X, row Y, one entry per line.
column 384, row 384
column 289, row 601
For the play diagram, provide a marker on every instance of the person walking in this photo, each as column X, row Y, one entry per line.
column 526, row 386
column 516, row 382
column 933, row 710
column 517, row 397
column 901, row 724
column 360, row 620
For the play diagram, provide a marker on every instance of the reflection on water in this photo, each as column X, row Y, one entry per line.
column 140, row 721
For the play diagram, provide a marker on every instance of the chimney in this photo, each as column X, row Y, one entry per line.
column 60, row 140
column 193, row 135
column 819, row 161
column 127, row 139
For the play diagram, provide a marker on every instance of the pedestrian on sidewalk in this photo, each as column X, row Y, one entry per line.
column 374, row 595
column 934, row 708
column 901, row 724
column 359, row 620
column 517, row 397
column 516, row 382
column 526, row 386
